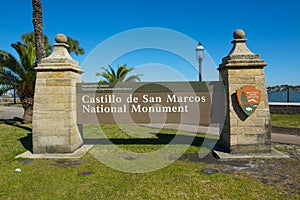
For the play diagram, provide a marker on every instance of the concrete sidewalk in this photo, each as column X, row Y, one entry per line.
column 10, row 112
column 285, row 138
column 214, row 131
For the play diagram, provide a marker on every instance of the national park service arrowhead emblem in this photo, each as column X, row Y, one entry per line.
column 248, row 98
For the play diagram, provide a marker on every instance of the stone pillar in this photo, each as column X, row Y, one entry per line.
column 247, row 124
column 54, row 126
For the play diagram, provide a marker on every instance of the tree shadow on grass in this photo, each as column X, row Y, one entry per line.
column 196, row 141
column 10, row 121
column 25, row 141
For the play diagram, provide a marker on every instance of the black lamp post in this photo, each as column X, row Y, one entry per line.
column 199, row 57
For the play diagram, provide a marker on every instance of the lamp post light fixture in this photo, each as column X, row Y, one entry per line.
column 199, row 57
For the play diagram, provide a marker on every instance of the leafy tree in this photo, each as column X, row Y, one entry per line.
column 19, row 75
column 112, row 76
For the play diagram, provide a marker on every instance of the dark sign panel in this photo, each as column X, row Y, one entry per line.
column 145, row 103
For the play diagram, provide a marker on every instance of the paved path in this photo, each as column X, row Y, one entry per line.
column 10, row 112
column 214, row 130
column 286, row 139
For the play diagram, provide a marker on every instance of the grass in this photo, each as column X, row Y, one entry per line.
column 58, row 178
column 143, row 140
column 285, row 120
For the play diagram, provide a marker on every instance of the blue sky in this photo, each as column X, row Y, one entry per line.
column 272, row 29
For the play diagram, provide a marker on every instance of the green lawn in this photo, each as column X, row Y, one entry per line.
column 58, row 178
column 285, row 120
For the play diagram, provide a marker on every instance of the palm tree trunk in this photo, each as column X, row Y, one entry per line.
column 15, row 100
column 27, row 103
column 37, row 20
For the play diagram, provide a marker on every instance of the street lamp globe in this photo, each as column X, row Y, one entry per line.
column 199, row 57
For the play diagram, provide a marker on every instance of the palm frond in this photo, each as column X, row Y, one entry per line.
column 112, row 72
column 19, row 75
column 110, row 75
column 4, row 89
column 134, row 78
column 29, row 38
column 9, row 63
column 123, row 72
column 74, row 46
column 26, row 54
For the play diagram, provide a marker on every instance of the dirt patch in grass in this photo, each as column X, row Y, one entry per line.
column 283, row 174
column 67, row 163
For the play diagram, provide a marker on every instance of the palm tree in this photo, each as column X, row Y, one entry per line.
column 74, row 45
column 37, row 20
column 111, row 76
column 41, row 42
column 29, row 38
column 19, row 75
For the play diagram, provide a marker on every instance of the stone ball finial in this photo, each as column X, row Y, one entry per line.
column 239, row 34
column 61, row 38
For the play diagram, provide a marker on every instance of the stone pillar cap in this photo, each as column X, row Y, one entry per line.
column 240, row 55
column 239, row 34
column 61, row 38
column 60, row 58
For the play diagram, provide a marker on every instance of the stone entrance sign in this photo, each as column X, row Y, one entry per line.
column 247, row 124
column 54, row 126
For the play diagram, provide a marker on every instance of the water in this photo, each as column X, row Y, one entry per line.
column 281, row 96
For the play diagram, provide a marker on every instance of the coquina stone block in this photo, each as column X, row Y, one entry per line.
column 54, row 126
